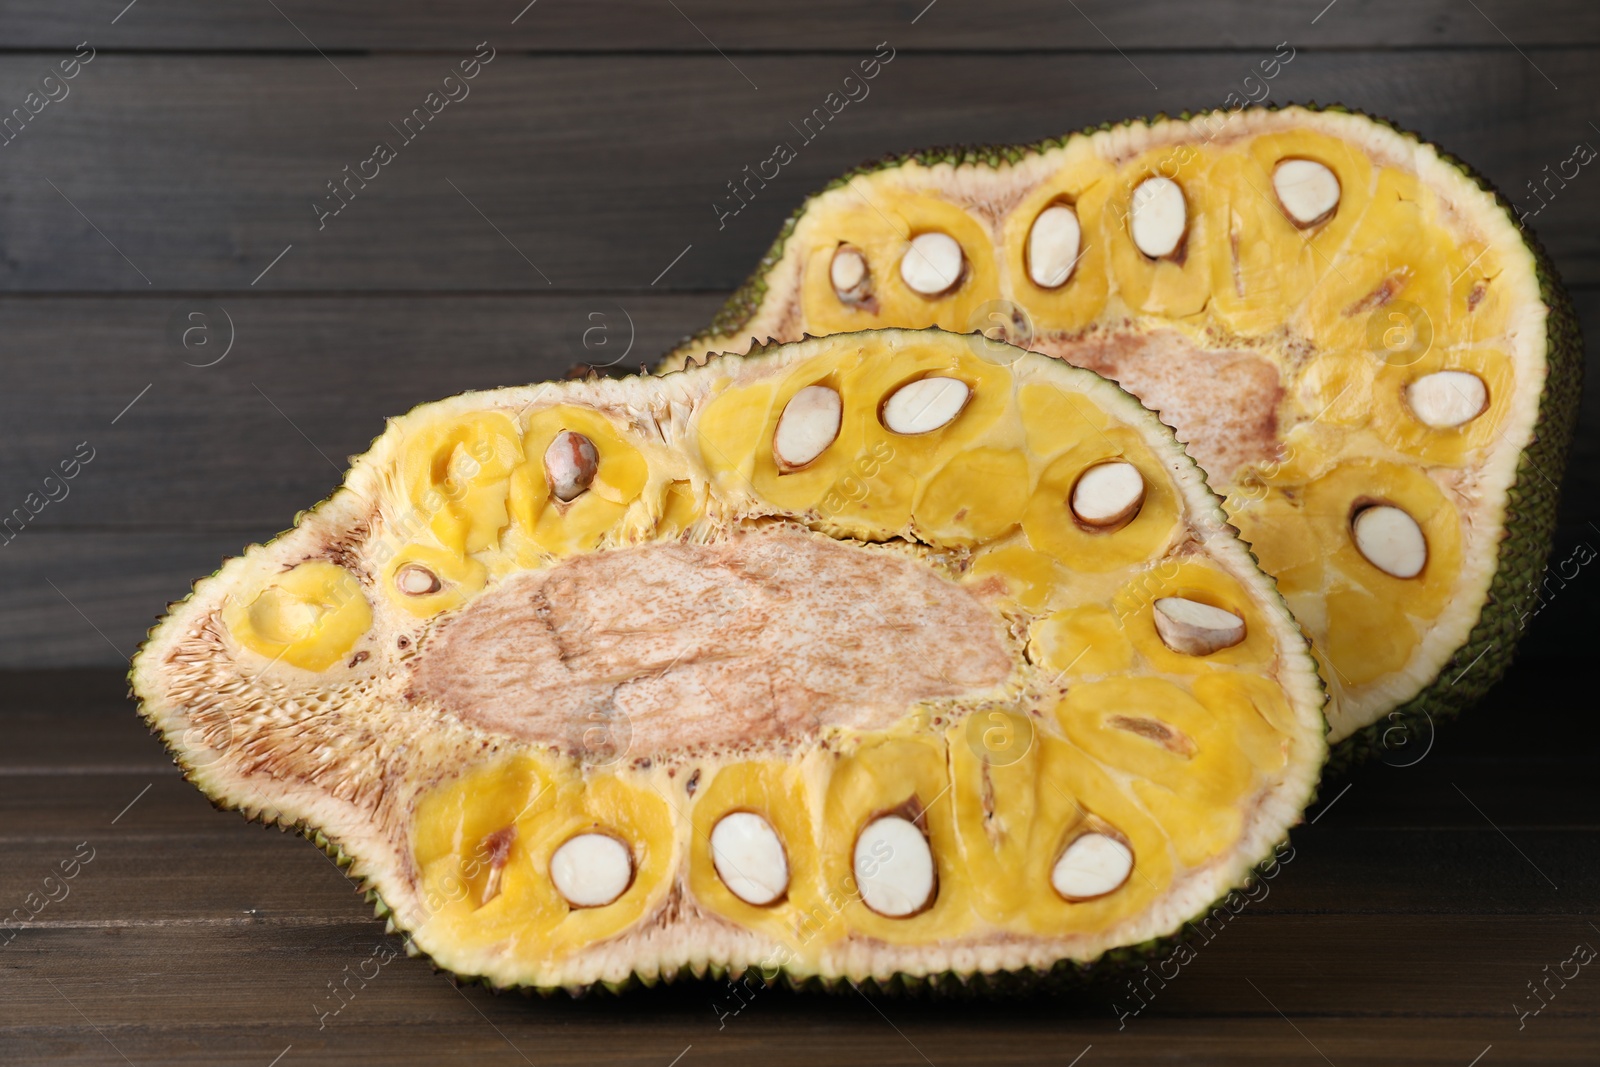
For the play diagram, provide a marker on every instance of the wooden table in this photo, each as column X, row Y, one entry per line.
column 172, row 302
column 1404, row 929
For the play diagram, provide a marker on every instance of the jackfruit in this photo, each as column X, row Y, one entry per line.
column 1336, row 317
column 953, row 668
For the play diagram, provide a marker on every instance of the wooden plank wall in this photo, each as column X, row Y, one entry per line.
column 572, row 189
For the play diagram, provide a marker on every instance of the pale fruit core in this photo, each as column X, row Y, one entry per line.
column 1223, row 403
column 677, row 647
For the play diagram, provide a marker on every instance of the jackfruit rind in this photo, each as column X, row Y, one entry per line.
column 526, row 751
column 1277, row 349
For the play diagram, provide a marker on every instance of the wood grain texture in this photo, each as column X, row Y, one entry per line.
column 1403, row 930
column 703, row 25
column 329, row 368
column 256, row 961
column 599, row 172
column 795, row 1030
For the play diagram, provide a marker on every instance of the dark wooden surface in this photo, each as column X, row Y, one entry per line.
column 1403, row 930
column 572, row 190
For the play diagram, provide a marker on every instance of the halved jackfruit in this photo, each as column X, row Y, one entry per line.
column 880, row 655
column 1333, row 315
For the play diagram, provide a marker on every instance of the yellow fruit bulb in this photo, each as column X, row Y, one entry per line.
column 1386, row 291
column 1081, row 184
column 994, row 764
column 1051, row 527
column 777, row 793
column 1205, row 584
column 881, row 219
column 309, row 616
column 454, row 471
column 1332, row 502
column 1027, row 578
column 620, row 475
column 535, row 805
column 1399, row 424
column 1367, row 636
column 894, row 775
column 1191, row 776
column 1175, row 286
column 425, row 580
column 1081, row 642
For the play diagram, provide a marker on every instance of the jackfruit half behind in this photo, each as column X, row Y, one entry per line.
column 1372, row 361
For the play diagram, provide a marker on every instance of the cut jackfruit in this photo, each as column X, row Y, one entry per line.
column 1332, row 314
column 828, row 663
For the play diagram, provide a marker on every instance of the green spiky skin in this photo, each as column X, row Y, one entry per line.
column 1531, row 501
